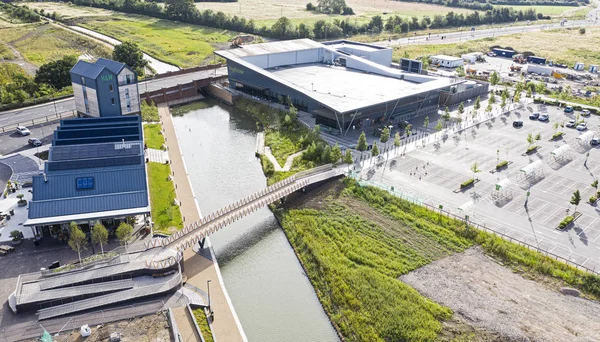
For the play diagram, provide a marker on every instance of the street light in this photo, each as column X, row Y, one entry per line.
column 208, row 285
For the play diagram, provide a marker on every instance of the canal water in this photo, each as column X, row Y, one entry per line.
column 271, row 294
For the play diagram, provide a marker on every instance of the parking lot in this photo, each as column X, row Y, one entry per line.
column 433, row 174
column 13, row 142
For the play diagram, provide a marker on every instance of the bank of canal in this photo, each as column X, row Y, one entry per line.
column 269, row 290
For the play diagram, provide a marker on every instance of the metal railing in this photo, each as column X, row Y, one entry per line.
column 40, row 120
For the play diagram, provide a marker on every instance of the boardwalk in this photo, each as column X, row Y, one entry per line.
column 199, row 269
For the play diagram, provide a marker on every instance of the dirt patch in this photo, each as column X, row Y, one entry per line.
column 316, row 197
column 150, row 328
column 487, row 295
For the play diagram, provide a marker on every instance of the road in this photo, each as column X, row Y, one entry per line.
column 27, row 114
column 593, row 19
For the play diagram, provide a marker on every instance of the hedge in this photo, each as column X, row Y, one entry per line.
column 557, row 135
column 531, row 149
column 467, row 183
column 501, row 164
column 565, row 222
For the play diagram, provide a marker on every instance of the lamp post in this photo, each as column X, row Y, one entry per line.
column 586, row 158
column 208, row 285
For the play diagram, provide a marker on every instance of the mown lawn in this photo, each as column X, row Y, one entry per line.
column 153, row 136
column 574, row 47
column 165, row 214
column 357, row 242
column 176, row 43
column 42, row 43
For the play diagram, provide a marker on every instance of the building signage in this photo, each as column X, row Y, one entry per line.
column 236, row 70
column 107, row 78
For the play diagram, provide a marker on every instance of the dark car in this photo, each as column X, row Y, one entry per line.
column 595, row 142
column 568, row 109
column 534, row 116
column 34, row 142
column 544, row 118
column 517, row 123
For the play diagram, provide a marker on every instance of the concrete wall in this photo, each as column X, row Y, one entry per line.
column 448, row 99
column 220, row 93
column 285, row 58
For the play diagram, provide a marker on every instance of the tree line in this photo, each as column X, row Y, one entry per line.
column 20, row 12
column 485, row 5
column 185, row 11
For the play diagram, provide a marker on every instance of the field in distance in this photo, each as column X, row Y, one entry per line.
column 573, row 47
column 183, row 45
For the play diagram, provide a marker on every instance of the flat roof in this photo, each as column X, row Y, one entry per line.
column 446, row 57
column 361, row 47
column 270, row 48
column 345, row 90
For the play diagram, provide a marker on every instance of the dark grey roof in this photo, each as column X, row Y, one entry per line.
column 74, row 152
column 87, row 69
column 113, row 66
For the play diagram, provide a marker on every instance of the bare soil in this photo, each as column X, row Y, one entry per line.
column 150, row 328
column 491, row 297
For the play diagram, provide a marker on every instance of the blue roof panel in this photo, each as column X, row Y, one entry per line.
column 74, row 206
column 113, row 66
column 87, row 69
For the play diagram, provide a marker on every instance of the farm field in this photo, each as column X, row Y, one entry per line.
column 185, row 45
column 554, row 11
column 43, row 42
column 68, row 11
column 585, row 48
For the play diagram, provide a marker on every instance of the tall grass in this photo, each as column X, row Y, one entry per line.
column 165, row 214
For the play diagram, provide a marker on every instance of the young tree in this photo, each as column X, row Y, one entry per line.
column 100, row 235
column 594, row 184
column 530, row 139
column 397, row 139
column 494, row 78
column 575, row 199
column 362, row 143
column 446, row 115
column 538, row 136
column 493, row 98
column 130, row 54
column 477, row 105
column 336, row 153
column 475, row 169
column 503, row 104
column 461, row 109
column 407, row 130
column 375, row 150
column 426, row 122
column 77, row 239
column 488, row 109
column 439, row 126
column 348, row 157
column 124, row 232
column 517, row 97
column 555, row 126
column 385, row 135
column 529, row 92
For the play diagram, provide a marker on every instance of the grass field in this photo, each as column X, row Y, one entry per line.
column 553, row 11
column 165, row 214
column 41, row 43
column 573, row 46
column 356, row 241
column 67, row 11
column 153, row 136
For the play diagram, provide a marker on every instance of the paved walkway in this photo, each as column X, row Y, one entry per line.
column 185, row 324
column 266, row 151
column 199, row 268
column 157, row 156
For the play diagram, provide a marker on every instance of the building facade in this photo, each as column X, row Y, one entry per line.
column 105, row 88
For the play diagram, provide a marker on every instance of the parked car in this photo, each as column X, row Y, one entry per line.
column 23, row 131
column 491, row 54
column 534, row 116
column 569, row 109
column 517, row 123
column 34, row 142
column 595, row 142
column 582, row 126
column 571, row 123
column 585, row 113
column 544, row 117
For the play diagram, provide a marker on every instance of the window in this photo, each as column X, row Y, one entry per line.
column 84, row 183
column 83, row 80
column 128, row 77
column 128, row 106
column 127, row 93
column 112, row 100
column 110, row 87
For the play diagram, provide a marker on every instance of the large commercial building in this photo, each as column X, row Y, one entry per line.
column 95, row 172
column 343, row 83
column 104, row 88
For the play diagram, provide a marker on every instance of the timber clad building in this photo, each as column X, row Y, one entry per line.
column 105, row 88
column 342, row 83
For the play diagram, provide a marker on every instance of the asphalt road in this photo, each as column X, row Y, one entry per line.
column 24, row 115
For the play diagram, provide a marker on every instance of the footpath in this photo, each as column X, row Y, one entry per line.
column 199, row 267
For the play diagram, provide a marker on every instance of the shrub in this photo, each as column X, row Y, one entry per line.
column 557, row 135
column 565, row 222
column 530, row 149
column 501, row 164
column 310, row 7
column 467, row 183
column 593, row 199
column 16, row 235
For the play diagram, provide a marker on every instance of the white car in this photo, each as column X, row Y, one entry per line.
column 585, row 113
column 571, row 123
column 582, row 126
column 23, row 131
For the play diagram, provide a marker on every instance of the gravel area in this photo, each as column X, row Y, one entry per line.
column 488, row 295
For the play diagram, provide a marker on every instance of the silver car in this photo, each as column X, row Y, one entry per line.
column 23, row 131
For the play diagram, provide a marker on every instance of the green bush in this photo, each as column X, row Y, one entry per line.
column 467, row 183
column 531, row 149
column 593, row 199
column 557, row 135
column 267, row 166
column 565, row 222
column 501, row 164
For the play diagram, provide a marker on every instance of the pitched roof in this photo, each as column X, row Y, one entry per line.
column 113, row 66
column 87, row 69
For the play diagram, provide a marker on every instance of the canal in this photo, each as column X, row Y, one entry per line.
column 271, row 294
